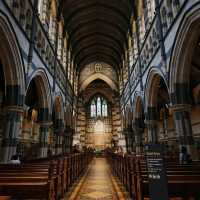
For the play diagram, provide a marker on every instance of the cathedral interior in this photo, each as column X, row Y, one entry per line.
column 100, row 99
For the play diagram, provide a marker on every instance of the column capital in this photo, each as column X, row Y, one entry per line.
column 180, row 107
column 46, row 124
column 17, row 109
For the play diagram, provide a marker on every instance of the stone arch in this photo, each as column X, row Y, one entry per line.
column 139, row 124
column 138, row 107
column 12, row 89
column 101, row 93
column 181, row 56
column 43, row 88
column 151, row 87
column 184, row 70
column 90, row 79
column 39, row 102
column 12, row 62
column 108, row 97
column 156, row 105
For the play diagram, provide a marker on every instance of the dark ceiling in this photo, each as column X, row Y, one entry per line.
column 97, row 29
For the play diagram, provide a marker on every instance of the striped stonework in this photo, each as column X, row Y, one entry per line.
column 44, row 131
column 12, row 131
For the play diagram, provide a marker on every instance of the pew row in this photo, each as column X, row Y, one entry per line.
column 183, row 180
column 44, row 178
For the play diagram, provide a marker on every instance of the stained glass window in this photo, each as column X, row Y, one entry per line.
column 98, row 107
column 104, row 109
column 93, row 109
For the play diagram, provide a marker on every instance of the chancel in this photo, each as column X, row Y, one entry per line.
column 100, row 99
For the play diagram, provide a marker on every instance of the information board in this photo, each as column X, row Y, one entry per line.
column 158, row 189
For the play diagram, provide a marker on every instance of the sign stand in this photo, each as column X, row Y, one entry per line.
column 158, row 186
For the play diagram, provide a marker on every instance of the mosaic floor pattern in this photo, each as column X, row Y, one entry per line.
column 98, row 184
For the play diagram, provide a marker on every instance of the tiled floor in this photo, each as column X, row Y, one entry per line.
column 98, row 184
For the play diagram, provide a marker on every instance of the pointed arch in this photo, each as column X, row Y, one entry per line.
column 181, row 55
column 152, row 86
column 101, row 76
column 138, row 108
column 43, row 88
column 12, row 62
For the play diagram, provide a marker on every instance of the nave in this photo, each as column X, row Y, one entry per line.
column 100, row 89
column 98, row 183
column 87, row 176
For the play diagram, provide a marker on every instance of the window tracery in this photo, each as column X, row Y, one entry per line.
column 98, row 107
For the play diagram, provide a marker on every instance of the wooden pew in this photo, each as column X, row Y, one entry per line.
column 183, row 180
column 37, row 170
column 24, row 186
column 5, row 198
column 44, row 178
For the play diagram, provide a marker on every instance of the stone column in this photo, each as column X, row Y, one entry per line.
column 44, row 134
column 13, row 129
column 129, row 137
column 152, row 128
column 152, row 125
column 67, row 139
column 184, row 127
column 59, row 136
column 44, row 131
column 59, row 141
column 138, row 136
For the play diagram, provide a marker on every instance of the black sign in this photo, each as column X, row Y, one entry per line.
column 156, row 172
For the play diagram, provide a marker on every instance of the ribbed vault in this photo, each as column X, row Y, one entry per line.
column 97, row 29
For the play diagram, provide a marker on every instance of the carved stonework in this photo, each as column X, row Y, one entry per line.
column 98, row 67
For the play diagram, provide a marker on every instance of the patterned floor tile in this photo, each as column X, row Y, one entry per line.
column 98, row 185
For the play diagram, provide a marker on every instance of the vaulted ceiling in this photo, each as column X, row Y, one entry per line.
column 97, row 29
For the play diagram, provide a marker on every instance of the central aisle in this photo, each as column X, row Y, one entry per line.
column 98, row 183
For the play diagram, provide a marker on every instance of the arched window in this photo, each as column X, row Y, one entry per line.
column 98, row 107
column 104, row 109
column 93, row 109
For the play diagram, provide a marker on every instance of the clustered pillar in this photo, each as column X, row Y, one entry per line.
column 44, row 131
column 152, row 125
column 184, row 127
column 68, row 135
column 138, row 129
column 59, row 129
column 12, row 131
column 128, row 132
